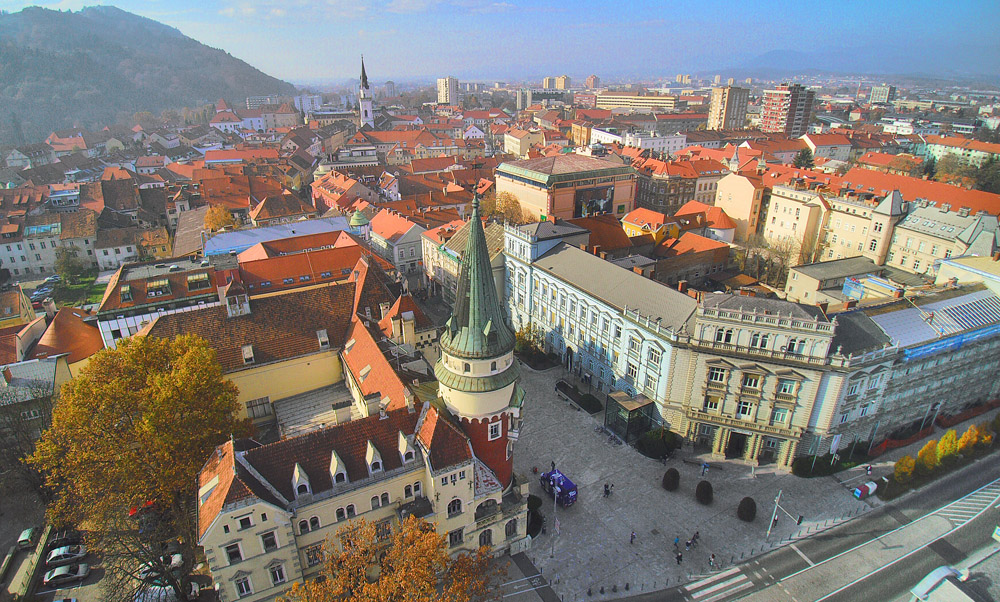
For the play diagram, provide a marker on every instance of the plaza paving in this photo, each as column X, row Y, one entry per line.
column 592, row 547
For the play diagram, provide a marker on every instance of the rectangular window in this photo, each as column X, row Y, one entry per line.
column 654, row 356
column 651, row 383
column 631, row 371
column 854, row 388
column 751, row 381
column 455, row 538
column 633, row 344
column 278, row 574
column 269, row 542
column 844, row 417
column 863, row 410
column 243, row 587
column 786, row 387
column 495, row 431
column 744, row 409
column 779, row 415
column 248, row 354
column 324, row 340
column 233, row 553
column 717, row 375
column 246, row 522
column 711, row 404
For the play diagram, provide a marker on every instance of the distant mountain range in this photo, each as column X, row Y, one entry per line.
column 92, row 67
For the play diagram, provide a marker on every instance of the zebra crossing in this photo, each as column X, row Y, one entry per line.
column 726, row 585
column 965, row 509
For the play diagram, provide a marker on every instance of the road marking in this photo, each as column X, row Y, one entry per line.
column 802, row 555
column 914, row 551
column 716, row 587
column 731, row 592
column 994, row 484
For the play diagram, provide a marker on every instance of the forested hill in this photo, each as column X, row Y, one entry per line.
column 92, row 67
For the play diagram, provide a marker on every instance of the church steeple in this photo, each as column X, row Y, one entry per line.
column 477, row 373
column 364, row 76
column 365, row 100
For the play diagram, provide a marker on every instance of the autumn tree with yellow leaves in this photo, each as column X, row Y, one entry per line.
column 218, row 217
column 127, row 439
column 367, row 563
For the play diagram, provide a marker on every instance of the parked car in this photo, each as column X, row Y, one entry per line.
column 27, row 538
column 556, row 482
column 54, row 278
column 66, row 574
column 163, row 593
column 65, row 555
column 65, row 537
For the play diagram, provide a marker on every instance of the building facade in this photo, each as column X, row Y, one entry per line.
column 568, row 186
column 728, row 108
column 787, row 110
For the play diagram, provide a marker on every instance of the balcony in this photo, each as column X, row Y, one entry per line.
column 716, row 386
column 750, row 391
column 786, row 397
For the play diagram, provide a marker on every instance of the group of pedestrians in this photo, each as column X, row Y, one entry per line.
column 693, row 542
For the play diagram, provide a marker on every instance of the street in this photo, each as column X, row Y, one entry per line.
column 768, row 577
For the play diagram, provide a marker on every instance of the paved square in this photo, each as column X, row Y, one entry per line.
column 592, row 548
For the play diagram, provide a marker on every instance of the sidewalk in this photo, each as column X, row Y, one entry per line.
column 592, row 548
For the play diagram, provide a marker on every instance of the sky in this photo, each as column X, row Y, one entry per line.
column 485, row 40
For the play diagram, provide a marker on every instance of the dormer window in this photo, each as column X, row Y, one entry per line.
column 302, row 488
column 300, row 481
column 324, row 340
column 374, row 459
column 125, row 292
column 337, row 469
column 198, row 281
column 158, row 288
column 408, row 456
column 248, row 354
column 376, row 466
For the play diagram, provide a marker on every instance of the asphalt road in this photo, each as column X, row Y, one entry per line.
column 767, row 570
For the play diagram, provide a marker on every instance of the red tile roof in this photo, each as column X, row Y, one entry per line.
column 371, row 371
column 447, row 443
column 402, row 305
column 70, row 333
column 965, row 143
column 643, row 217
column 688, row 242
column 390, row 225
column 715, row 217
column 237, row 156
column 606, row 231
column 284, row 205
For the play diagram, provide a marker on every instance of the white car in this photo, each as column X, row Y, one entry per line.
column 65, row 555
column 66, row 574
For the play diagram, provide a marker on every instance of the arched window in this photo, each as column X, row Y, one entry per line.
column 376, row 466
column 408, row 456
column 407, row 491
column 416, row 488
column 302, row 488
column 486, row 538
column 454, row 507
column 493, row 366
column 719, row 334
column 466, row 367
column 385, row 499
column 340, row 514
column 374, row 502
column 511, row 528
column 303, row 527
column 350, row 511
column 339, row 478
column 313, row 523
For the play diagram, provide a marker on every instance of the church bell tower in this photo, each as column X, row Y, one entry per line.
column 365, row 99
column 477, row 375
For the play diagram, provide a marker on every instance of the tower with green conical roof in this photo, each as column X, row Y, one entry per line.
column 477, row 374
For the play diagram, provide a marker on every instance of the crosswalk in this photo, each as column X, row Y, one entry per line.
column 726, row 585
column 965, row 509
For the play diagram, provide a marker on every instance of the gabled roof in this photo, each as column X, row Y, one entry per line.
column 404, row 305
column 390, row 225
column 643, row 217
column 606, row 231
column 446, row 442
column 371, row 371
column 715, row 217
column 70, row 332
column 280, row 206
column 688, row 242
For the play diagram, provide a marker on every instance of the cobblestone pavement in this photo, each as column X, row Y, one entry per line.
column 592, row 548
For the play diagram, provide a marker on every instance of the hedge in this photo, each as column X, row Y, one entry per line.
column 747, row 510
column 671, row 479
column 657, row 443
column 703, row 493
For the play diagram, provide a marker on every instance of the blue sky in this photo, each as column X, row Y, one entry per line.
column 509, row 39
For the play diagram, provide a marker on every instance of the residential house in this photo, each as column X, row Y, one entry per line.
column 397, row 239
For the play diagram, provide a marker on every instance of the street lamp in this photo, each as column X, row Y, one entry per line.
column 774, row 515
column 555, row 498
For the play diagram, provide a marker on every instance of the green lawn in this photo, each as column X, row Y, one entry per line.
column 83, row 292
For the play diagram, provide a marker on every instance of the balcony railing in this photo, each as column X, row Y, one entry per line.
column 787, row 397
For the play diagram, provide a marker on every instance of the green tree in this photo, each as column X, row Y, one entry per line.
column 987, row 176
column 412, row 563
column 948, row 445
column 132, row 431
column 68, row 265
column 804, row 159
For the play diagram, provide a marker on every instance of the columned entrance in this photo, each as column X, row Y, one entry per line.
column 737, row 446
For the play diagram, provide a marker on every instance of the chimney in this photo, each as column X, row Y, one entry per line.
column 682, row 286
column 897, row 293
column 850, row 303
column 823, row 306
column 996, row 256
column 7, row 374
column 383, row 308
column 50, row 309
column 551, row 219
column 582, row 246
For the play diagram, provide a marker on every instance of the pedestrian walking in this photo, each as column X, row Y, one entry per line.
column 553, row 466
column 711, row 561
column 704, row 468
column 677, row 543
column 679, row 557
column 607, row 491
column 612, row 488
column 687, row 546
column 631, row 539
column 694, row 538
column 868, row 470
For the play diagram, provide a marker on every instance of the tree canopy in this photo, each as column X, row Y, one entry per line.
column 126, row 442
column 412, row 563
column 218, row 217
column 804, row 159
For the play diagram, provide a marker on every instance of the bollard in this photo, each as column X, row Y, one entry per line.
column 602, row 589
column 614, row 587
column 626, row 586
column 590, row 592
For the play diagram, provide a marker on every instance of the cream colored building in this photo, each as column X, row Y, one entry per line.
column 742, row 197
column 795, row 219
column 518, row 142
column 728, row 108
column 562, row 82
column 647, row 102
column 929, row 234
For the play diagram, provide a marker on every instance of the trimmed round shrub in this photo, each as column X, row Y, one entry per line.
column 657, row 443
column 671, row 479
column 703, row 493
column 747, row 510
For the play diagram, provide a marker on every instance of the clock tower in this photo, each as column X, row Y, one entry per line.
column 365, row 99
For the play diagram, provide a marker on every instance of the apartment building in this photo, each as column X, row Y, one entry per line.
column 928, row 234
column 728, row 108
column 787, row 110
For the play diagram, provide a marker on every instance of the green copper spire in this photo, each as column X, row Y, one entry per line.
column 477, row 328
column 358, row 219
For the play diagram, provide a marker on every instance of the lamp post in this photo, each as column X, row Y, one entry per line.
column 555, row 498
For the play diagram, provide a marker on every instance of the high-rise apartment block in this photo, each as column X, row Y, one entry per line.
column 523, row 98
column 549, row 83
column 787, row 110
column 447, row 90
column 883, row 94
column 593, row 82
column 562, row 82
column 728, row 108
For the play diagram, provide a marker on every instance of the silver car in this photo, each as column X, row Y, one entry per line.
column 65, row 555
column 66, row 574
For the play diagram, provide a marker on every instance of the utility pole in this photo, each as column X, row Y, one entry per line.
column 555, row 497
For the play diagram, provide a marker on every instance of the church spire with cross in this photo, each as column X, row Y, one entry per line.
column 477, row 373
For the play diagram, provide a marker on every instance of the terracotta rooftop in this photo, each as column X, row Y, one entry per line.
column 447, row 443
column 645, row 217
column 370, row 369
column 688, row 242
column 279, row 326
column 284, row 205
column 70, row 333
column 403, row 304
column 606, row 231
column 715, row 217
